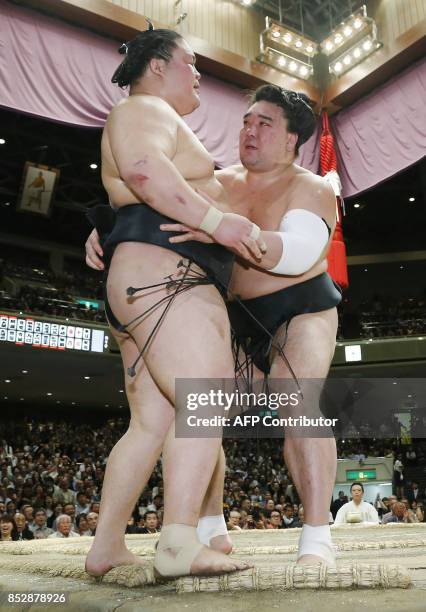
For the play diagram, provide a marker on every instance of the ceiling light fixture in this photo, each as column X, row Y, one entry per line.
column 93, row 166
column 354, row 55
column 348, row 44
column 412, row 199
column 2, row 141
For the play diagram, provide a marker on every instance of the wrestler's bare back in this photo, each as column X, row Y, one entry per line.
column 266, row 207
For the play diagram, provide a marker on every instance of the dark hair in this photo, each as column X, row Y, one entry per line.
column 6, row 518
column 78, row 519
column 296, row 109
column 359, row 484
column 149, row 512
column 146, row 46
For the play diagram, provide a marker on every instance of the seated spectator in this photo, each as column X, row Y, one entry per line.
column 11, row 508
column 250, row 522
column 299, row 520
column 234, row 521
column 151, row 522
column 82, row 527
column 357, row 510
column 57, row 510
column 94, row 507
column 275, row 520
column 64, row 528
column 40, row 529
column 288, row 515
column 418, row 509
column 411, row 516
column 82, row 506
column 338, row 503
column 380, row 505
column 24, row 533
column 132, row 527
column 63, row 494
column 398, row 514
column 28, row 511
column 92, row 522
column 8, row 531
column 69, row 509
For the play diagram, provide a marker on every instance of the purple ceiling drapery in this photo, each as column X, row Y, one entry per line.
column 383, row 133
column 61, row 72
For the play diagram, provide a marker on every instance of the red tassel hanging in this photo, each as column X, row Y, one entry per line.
column 337, row 263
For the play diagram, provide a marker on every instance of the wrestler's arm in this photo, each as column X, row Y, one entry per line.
column 143, row 135
column 312, row 194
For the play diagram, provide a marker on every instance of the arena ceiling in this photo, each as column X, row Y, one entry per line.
column 314, row 17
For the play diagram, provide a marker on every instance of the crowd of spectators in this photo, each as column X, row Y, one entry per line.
column 48, row 301
column 37, row 290
column 383, row 317
column 50, row 485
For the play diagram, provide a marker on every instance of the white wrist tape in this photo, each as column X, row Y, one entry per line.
column 304, row 236
column 255, row 231
column 211, row 220
column 211, row 526
column 317, row 541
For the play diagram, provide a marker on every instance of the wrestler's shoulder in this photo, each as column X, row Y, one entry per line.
column 308, row 182
column 150, row 106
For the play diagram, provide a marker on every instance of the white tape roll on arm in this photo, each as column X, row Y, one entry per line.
column 304, row 236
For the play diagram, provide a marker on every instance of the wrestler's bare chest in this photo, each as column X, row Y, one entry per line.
column 264, row 205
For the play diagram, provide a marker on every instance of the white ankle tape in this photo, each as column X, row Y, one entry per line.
column 317, row 541
column 211, row 526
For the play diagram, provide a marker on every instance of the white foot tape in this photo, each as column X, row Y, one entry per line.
column 317, row 541
column 211, row 526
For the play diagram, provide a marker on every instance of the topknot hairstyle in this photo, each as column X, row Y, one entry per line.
column 141, row 50
column 296, row 109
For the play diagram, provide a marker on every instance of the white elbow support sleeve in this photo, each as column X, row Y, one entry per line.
column 304, row 236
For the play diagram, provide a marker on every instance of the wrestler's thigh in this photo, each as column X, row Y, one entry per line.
column 309, row 345
column 149, row 408
column 192, row 341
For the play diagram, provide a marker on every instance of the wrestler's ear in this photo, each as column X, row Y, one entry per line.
column 157, row 66
column 291, row 141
